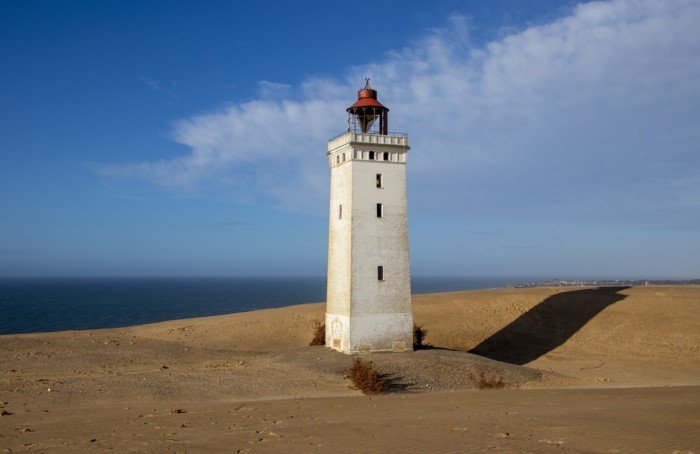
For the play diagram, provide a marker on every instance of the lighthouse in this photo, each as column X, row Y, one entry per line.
column 368, row 306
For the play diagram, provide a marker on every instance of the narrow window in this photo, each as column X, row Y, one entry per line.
column 380, row 273
column 380, row 183
column 337, row 159
column 386, row 156
column 380, row 211
column 340, row 212
column 343, row 157
column 371, row 155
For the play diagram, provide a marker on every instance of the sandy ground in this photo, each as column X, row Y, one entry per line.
column 586, row 370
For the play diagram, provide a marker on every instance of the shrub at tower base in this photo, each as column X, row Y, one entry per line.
column 365, row 377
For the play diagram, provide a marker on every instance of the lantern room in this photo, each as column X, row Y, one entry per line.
column 368, row 115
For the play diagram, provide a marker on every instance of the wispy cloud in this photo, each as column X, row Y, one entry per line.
column 273, row 90
column 589, row 118
column 157, row 86
column 152, row 84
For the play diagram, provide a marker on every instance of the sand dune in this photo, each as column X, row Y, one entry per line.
column 543, row 338
column 638, row 336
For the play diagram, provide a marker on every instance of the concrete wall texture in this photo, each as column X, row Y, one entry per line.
column 364, row 313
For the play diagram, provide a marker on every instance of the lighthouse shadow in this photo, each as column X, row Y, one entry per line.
column 394, row 383
column 547, row 325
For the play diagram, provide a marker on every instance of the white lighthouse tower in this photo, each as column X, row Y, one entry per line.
column 368, row 307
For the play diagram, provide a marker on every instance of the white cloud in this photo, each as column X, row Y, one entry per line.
column 590, row 117
column 273, row 90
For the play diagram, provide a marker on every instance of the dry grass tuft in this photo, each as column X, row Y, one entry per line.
column 365, row 377
column 319, row 334
column 487, row 381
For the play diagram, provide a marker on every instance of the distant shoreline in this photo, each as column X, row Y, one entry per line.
column 603, row 282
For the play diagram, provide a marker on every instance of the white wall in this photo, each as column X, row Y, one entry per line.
column 362, row 312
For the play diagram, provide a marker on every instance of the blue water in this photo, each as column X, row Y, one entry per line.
column 40, row 305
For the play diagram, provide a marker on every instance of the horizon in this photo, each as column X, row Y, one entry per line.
column 547, row 138
column 538, row 279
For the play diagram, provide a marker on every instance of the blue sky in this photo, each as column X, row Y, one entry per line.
column 180, row 138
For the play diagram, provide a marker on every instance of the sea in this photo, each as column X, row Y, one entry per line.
column 29, row 305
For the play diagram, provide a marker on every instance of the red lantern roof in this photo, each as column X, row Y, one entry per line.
column 366, row 97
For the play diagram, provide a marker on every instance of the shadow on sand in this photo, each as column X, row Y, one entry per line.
column 394, row 383
column 547, row 325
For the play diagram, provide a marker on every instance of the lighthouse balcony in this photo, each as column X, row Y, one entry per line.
column 396, row 139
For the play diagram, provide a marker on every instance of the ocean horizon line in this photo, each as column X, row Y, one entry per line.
column 315, row 276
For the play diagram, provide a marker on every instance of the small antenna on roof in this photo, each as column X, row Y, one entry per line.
column 367, row 82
